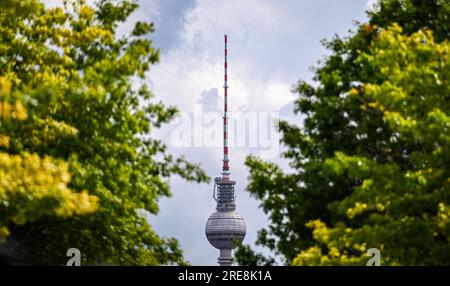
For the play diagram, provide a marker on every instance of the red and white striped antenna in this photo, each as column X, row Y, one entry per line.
column 226, row 166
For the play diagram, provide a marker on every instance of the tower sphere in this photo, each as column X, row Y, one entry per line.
column 225, row 230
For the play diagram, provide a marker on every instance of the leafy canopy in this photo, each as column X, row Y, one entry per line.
column 89, row 118
column 370, row 162
column 401, row 205
column 31, row 187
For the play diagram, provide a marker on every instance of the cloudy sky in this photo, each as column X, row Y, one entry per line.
column 272, row 44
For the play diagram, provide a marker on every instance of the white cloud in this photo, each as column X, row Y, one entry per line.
column 372, row 4
column 197, row 63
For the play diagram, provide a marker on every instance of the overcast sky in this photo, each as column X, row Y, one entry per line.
column 272, row 44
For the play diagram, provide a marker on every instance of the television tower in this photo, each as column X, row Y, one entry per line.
column 225, row 229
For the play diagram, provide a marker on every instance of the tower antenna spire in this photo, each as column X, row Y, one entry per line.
column 226, row 160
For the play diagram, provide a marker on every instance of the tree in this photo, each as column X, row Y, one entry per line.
column 81, row 84
column 247, row 257
column 369, row 161
column 401, row 205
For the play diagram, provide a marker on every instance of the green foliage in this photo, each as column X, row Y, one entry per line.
column 398, row 206
column 370, row 163
column 31, row 187
column 87, row 108
column 247, row 257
